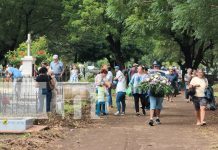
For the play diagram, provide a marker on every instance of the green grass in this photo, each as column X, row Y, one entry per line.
column 69, row 108
column 215, row 87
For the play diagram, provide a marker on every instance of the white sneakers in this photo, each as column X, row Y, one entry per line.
column 118, row 113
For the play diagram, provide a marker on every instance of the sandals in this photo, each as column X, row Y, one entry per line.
column 202, row 124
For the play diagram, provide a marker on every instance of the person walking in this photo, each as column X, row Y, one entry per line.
column 194, row 73
column 199, row 83
column 155, row 102
column 57, row 68
column 120, row 91
column 187, row 79
column 109, row 94
column 137, row 92
column 173, row 80
column 132, row 70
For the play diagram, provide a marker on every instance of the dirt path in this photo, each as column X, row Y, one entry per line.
column 177, row 132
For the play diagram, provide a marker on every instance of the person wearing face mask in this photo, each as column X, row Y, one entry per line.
column 199, row 83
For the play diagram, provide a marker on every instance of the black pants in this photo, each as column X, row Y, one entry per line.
column 48, row 100
column 143, row 100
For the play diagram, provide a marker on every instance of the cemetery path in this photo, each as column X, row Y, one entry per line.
column 177, row 132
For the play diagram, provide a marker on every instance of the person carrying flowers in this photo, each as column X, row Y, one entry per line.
column 137, row 92
column 158, row 86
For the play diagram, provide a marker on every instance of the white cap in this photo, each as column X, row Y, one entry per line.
column 55, row 56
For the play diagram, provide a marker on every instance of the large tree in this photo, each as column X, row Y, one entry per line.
column 20, row 17
column 91, row 22
column 191, row 24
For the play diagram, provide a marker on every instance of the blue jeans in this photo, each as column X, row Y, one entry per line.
column 41, row 97
column 100, row 108
column 48, row 101
column 120, row 99
column 109, row 97
column 155, row 102
column 186, row 91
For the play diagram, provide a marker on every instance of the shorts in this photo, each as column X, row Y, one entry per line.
column 156, row 102
column 199, row 101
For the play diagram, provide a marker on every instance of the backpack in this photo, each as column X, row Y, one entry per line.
column 209, row 95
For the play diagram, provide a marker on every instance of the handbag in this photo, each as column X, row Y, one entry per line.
column 51, row 85
column 209, row 94
column 211, row 105
column 129, row 91
column 191, row 91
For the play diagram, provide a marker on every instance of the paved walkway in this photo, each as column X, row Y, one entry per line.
column 177, row 132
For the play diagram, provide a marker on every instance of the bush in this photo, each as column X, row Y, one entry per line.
column 39, row 50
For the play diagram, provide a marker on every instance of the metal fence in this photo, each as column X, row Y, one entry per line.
column 20, row 98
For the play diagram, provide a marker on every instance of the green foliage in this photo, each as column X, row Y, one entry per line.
column 68, row 108
column 20, row 17
column 39, row 50
column 102, row 62
column 182, row 31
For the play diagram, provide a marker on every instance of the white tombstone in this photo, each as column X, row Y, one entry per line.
column 28, row 61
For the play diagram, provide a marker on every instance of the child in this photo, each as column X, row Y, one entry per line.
column 100, row 104
column 74, row 74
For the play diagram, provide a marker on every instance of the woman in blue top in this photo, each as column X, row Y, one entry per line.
column 138, row 93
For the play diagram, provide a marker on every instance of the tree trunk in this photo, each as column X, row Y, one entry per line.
column 76, row 58
column 115, row 46
column 186, row 50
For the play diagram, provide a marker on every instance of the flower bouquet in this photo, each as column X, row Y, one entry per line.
column 157, row 85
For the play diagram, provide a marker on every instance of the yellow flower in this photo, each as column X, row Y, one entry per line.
column 5, row 121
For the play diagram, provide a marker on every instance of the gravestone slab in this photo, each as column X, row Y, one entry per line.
column 15, row 124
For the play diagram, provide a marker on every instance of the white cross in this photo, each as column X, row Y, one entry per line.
column 28, row 44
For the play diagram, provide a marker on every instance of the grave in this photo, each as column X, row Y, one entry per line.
column 12, row 118
column 15, row 125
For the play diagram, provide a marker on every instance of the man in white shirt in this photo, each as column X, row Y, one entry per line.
column 110, row 79
column 120, row 91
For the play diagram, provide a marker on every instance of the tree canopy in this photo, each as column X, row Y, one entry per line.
column 182, row 31
column 20, row 17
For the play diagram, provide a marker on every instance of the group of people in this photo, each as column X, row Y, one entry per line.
column 48, row 75
column 105, row 81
